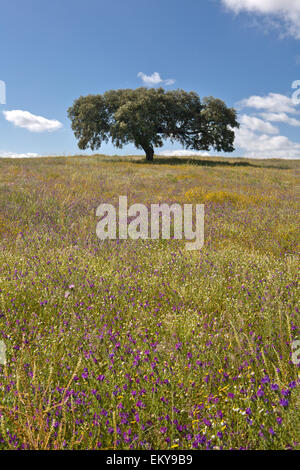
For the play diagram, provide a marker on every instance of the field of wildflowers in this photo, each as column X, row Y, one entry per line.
column 141, row 344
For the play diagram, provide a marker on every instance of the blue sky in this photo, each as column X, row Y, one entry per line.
column 246, row 52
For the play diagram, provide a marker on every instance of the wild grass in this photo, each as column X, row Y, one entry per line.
column 141, row 344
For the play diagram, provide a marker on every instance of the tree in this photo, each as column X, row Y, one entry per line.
column 146, row 117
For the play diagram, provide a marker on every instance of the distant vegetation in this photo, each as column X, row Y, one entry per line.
column 141, row 344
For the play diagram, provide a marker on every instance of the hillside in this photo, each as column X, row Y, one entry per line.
column 142, row 344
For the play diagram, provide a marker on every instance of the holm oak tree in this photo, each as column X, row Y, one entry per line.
column 146, row 117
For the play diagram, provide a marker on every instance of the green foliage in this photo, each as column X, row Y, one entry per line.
column 146, row 117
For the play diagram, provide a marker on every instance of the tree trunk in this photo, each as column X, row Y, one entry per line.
column 149, row 153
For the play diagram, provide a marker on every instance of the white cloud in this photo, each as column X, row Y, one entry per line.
column 281, row 117
column 18, row 155
column 253, row 137
column 154, row 79
column 31, row 122
column 286, row 11
column 255, row 124
column 183, row 153
column 265, row 146
column 273, row 102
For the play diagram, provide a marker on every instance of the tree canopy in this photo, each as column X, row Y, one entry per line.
column 146, row 117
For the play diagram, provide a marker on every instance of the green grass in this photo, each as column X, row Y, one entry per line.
column 142, row 344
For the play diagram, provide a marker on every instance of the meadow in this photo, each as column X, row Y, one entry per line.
column 142, row 344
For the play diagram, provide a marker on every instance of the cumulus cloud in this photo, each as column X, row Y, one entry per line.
column 273, row 102
column 281, row 117
column 18, row 155
column 154, row 79
column 265, row 146
column 183, row 153
column 255, row 138
column 256, row 124
column 287, row 12
column 31, row 122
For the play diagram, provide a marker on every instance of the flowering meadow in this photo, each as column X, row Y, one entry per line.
column 142, row 344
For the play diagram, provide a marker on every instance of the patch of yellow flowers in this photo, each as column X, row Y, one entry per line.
column 219, row 197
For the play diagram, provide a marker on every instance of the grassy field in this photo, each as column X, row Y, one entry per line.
column 142, row 344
